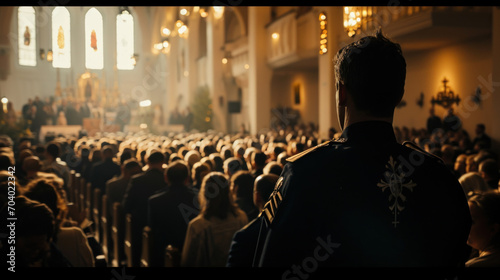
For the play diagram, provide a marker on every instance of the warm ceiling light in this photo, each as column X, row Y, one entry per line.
column 203, row 13
column 224, row 60
column 247, row 66
column 179, row 23
column 352, row 20
column 165, row 31
column 275, row 35
column 218, row 11
column 183, row 12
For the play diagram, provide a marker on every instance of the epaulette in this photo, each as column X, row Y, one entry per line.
column 301, row 154
column 414, row 146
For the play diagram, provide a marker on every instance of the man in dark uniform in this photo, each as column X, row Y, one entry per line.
column 363, row 199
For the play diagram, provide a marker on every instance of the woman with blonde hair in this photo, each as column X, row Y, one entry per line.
column 484, row 236
column 473, row 183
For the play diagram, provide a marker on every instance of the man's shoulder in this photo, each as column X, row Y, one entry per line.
column 318, row 151
column 116, row 181
column 158, row 197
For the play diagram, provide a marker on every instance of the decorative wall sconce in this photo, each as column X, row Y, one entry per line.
column 163, row 46
column 135, row 58
column 42, row 54
column 420, row 100
column 50, row 56
column 477, row 96
column 446, row 97
column 46, row 56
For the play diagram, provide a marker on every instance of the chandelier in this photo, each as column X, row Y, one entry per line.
column 446, row 97
column 352, row 20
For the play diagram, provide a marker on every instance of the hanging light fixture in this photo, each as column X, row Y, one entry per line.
column 446, row 97
column 352, row 20
column 218, row 11
column 324, row 33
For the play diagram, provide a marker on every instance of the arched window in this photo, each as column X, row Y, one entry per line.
column 26, row 36
column 125, row 41
column 94, row 55
column 61, row 34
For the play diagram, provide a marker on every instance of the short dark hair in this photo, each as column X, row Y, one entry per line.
column 490, row 167
column 53, row 149
column 232, row 165
column 264, row 184
column 156, row 157
column 34, row 218
column 131, row 163
column 244, row 180
column 259, row 158
column 373, row 70
column 177, row 172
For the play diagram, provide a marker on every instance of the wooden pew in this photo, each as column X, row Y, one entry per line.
column 82, row 193
column 89, row 205
column 96, row 214
column 118, row 236
column 147, row 245
column 71, row 186
column 172, row 257
column 105, row 228
column 128, row 239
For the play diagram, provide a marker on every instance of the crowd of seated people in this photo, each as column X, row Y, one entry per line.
column 196, row 191
column 476, row 166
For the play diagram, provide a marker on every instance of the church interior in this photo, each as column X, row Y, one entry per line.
column 234, row 70
column 255, row 65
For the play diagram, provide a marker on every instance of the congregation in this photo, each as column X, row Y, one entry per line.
column 180, row 199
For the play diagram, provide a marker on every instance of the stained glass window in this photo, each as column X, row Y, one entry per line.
column 124, row 41
column 26, row 36
column 94, row 55
column 61, row 34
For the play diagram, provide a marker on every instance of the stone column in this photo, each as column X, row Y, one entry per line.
column 215, row 40
column 259, row 74
column 326, row 74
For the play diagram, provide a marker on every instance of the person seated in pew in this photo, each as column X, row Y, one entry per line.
column 170, row 211
column 244, row 241
column 140, row 188
column 71, row 241
column 208, row 236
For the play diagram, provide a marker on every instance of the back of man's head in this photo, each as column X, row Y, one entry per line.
column 373, row 70
column 156, row 158
column 489, row 169
column 107, row 152
column 232, row 165
column 31, row 164
column 131, row 167
column 259, row 158
column 53, row 149
column 177, row 173
column 264, row 186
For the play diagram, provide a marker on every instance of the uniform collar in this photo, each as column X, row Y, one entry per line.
column 370, row 131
